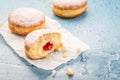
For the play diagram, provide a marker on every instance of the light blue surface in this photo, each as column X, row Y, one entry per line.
column 99, row 27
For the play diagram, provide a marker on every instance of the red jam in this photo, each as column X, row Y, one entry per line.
column 47, row 46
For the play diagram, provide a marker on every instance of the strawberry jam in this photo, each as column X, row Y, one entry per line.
column 47, row 46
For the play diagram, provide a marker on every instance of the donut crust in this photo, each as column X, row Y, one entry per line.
column 21, row 30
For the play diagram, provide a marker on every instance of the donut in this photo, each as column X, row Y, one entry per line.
column 69, row 8
column 24, row 20
column 39, row 43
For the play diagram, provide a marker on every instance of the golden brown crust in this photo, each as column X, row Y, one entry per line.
column 21, row 30
column 69, row 13
column 36, row 50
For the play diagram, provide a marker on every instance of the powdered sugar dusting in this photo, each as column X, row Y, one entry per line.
column 26, row 17
column 67, row 3
column 33, row 36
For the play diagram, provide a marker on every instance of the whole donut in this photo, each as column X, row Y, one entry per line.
column 24, row 20
column 69, row 8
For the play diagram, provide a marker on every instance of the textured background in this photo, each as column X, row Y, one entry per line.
column 98, row 27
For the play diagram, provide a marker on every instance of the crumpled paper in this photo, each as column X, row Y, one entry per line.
column 55, row 58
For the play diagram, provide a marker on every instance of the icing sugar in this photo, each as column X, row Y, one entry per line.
column 33, row 36
column 26, row 17
column 67, row 3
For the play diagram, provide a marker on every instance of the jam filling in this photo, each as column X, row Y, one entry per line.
column 47, row 46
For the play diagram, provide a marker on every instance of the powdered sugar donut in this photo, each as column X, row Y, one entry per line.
column 24, row 20
column 39, row 43
column 68, row 8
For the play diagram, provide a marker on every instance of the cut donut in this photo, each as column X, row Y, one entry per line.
column 44, row 44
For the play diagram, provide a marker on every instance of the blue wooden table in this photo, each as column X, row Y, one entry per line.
column 99, row 27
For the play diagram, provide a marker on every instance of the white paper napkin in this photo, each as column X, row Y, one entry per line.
column 56, row 58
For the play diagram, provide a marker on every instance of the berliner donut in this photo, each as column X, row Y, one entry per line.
column 69, row 8
column 39, row 43
column 24, row 20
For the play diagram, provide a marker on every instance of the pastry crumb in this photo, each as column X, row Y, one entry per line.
column 78, row 50
column 53, row 73
column 65, row 55
column 63, row 48
column 69, row 72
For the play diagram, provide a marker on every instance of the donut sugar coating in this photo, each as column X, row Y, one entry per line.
column 39, row 43
column 24, row 20
column 69, row 8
